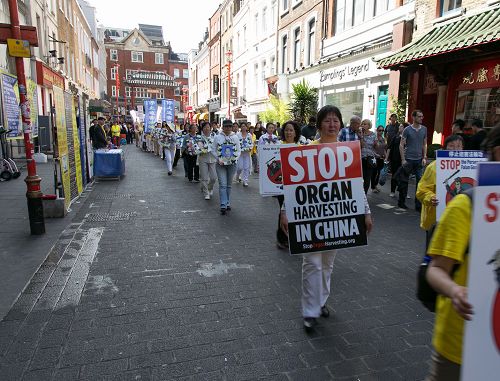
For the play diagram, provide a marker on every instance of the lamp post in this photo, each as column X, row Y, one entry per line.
column 229, row 55
column 117, row 79
column 34, row 193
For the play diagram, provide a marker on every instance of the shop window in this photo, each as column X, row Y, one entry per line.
column 479, row 104
column 350, row 102
column 448, row 6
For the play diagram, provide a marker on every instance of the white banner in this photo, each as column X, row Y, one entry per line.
column 270, row 176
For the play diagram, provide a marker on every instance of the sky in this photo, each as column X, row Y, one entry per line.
column 183, row 21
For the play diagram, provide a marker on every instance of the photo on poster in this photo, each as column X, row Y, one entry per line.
column 270, row 173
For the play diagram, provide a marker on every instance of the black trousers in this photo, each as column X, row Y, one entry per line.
column 192, row 168
column 176, row 157
column 394, row 168
column 376, row 173
column 367, row 173
column 281, row 236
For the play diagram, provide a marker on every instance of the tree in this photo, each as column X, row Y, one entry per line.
column 277, row 111
column 400, row 104
column 304, row 103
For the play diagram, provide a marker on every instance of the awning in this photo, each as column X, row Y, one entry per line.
column 204, row 116
column 463, row 32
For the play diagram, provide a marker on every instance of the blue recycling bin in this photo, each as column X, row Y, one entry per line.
column 109, row 163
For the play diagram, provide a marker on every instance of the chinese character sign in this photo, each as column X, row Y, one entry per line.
column 168, row 110
column 324, row 196
column 150, row 108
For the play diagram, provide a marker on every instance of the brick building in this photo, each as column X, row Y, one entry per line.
column 142, row 65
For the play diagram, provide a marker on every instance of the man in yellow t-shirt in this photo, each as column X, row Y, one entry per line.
column 115, row 133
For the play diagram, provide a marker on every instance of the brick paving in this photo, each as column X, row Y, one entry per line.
column 149, row 282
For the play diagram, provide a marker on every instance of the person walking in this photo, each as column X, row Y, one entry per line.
column 368, row 155
column 391, row 130
column 449, row 248
column 352, row 132
column 170, row 147
column 477, row 139
column 380, row 149
column 226, row 149
column 100, row 140
column 189, row 152
column 115, row 133
column 413, row 151
column 206, row 161
column 317, row 267
column 258, row 130
column 309, row 130
column 393, row 157
column 269, row 137
column 244, row 161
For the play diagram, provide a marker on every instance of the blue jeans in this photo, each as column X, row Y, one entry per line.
column 225, row 175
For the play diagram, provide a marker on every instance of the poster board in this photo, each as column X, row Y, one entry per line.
column 481, row 353
column 10, row 101
column 150, row 114
column 62, row 143
column 324, row 196
column 270, row 176
column 455, row 173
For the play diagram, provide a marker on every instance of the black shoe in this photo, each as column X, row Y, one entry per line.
column 228, row 208
column 170, row 173
column 222, row 211
column 402, row 206
column 309, row 323
column 281, row 245
column 325, row 312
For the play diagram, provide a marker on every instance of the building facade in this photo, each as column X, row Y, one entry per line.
column 214, row 63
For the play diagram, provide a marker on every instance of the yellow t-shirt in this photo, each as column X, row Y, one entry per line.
column 115, row 130
column 451, row 239
column 425, row 190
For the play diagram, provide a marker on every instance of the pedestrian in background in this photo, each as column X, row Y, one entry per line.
column 380, row 149
column 258, row 130
column 475, row 141
column 115, row 133
column 226, row 149
column 309, row 130
column 189, row 152
column 391, row 130
column 368, row 155
column 413, row 151
column 448, row 248
column 317, row 267
column 206, row 161
column 269, row 137
column 244, row 161
column 393, row 157
column 253, row 153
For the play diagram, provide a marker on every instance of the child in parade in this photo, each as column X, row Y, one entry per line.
column 269, row 137
column 253, row 153
column 317, row 267
column 244, row 162
column 226, row 149
column 206, row 161
column 189, row 152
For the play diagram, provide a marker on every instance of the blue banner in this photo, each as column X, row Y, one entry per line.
column 150, row 110
column 168, row 110
column 12, row 114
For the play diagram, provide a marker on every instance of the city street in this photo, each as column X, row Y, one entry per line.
column 150, row 282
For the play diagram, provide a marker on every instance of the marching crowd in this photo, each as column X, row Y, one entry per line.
column 228, row 155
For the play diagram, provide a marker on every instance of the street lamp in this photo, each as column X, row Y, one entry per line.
column 229, row 55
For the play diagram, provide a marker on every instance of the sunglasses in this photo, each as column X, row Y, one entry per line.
column 380, row 130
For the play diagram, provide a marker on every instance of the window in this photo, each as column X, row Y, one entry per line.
column 137, row 56
column 177, row 91
column 450, row 5
column 311, row 42
column 114, row 70
column 176, row 73
column 256, row 77
column 264, row 20
column 284, row 4
column 263, row 71
column 296, row 49
column 141, row 92
column 256, row 22
column 273, row 65
column 159, row 58
column 284, row 53
column 349, row 13
column 273, row 13
column 185, row 73
column 128, row 92
column 161, row 93
column 244, row 37
column 113, row 91
column 113, row 55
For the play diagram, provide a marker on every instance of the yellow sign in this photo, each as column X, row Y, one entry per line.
column 18, row 48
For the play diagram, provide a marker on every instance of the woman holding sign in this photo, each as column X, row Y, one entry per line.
column 226, row 149
column 317, row 267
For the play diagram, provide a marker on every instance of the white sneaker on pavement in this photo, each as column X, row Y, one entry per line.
column 392, row 194
column 207, row 197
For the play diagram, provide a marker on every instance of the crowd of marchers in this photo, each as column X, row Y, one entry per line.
column 228, row 154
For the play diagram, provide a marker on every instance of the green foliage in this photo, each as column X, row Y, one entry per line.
column 277, row 111
column 400, row 105
column 304, row 102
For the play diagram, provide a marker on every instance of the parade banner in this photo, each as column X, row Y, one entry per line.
column 481, row 353
column 11, row 111
column 150, row 114
column 455, row 173
column 168, row 110
column 324, row 196
column 270, row 177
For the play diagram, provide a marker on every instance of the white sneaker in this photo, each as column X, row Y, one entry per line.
column 392, row 194
column 408, row 197
column 211, row 193
column 207, row 197
column 245, row 184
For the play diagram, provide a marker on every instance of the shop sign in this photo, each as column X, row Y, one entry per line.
column 216, row 84
column 18, row 48
column 430, row 84
column 349, row 72
column 151, row 78
column 483, row 75
column 47, row 77
column 213, row 104
column 234, row 92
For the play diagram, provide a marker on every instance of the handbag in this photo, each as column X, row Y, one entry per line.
column 383, row 174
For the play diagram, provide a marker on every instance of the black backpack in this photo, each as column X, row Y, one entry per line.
column 425, row 293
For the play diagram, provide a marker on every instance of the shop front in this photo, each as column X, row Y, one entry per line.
column 356, row 87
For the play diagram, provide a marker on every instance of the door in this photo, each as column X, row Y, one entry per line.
column 382, row 101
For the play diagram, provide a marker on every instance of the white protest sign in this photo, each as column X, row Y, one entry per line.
column 481, row 353
column 270, row 177
column 455, row 173
column 324, row 196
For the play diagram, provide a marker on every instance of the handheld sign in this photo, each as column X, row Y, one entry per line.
column 324, row 196
column 481, row 354
column 270, row 177
column 455, row 173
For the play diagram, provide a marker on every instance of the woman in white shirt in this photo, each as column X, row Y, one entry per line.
column 206, row 160
column 244, row 162
column 226, row 149
column 269, row 137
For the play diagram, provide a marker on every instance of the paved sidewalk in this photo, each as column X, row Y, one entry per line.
column 150, row 282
